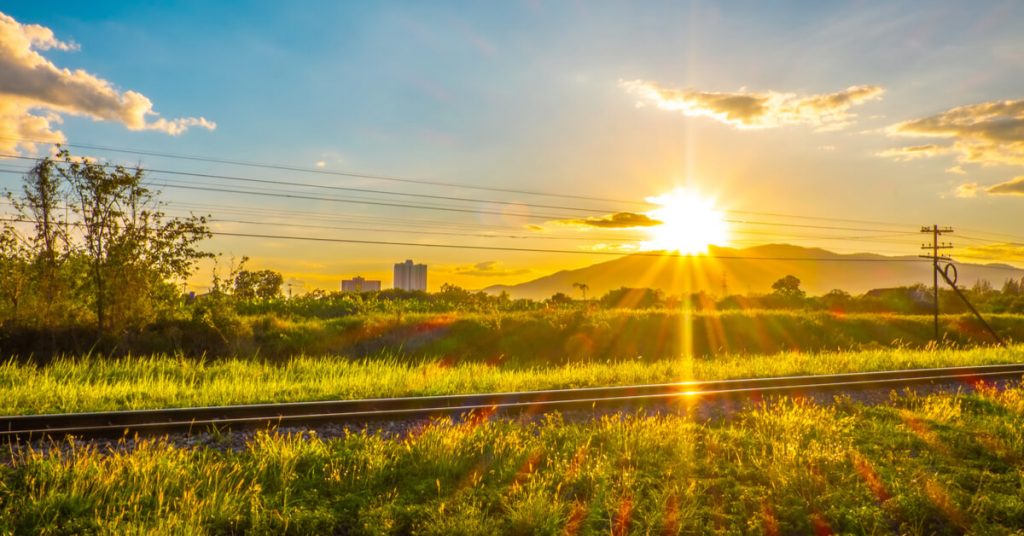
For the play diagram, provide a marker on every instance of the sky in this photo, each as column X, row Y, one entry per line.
column 900, row 114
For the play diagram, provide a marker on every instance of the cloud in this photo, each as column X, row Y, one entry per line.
column 34, row 93
column 490, row 269
column 751, row 110
column 966, row 190
column 987, row 133
column 615, row 248
column 321, row 164
column 619, row 220
column 1011, row 187
column 957, row 170
column 1006, row 251
column 914, row 152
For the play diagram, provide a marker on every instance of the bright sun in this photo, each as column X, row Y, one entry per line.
column 689, row 225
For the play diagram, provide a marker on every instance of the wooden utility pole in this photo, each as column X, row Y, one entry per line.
column 935, row 246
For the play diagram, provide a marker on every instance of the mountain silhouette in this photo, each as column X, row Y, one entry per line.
column 752, row 271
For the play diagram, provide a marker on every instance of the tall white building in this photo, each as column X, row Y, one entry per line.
column 409, row 276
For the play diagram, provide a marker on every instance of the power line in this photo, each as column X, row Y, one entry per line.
column 548, row 217
column 448, row 225
column 299, row 169
column 345, row 188
column 620, row 239
column 529, row 250
column 411, row 180
column 991, row 241
column 474, row 211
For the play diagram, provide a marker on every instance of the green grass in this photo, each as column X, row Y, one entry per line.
column 939, row 464
column 95, row 384
column 522, row 338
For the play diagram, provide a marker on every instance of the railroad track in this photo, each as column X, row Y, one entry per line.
column 203, row 419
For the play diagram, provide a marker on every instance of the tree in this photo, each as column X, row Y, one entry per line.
column 1012, row 287
column 14, row 273
column 837, row 300
column 632, row 298
column 260, row 284
column 982, row 288
column 788, row 287
column 559, row 299
column 583, row 289
column 132, row 249
column 47, row 248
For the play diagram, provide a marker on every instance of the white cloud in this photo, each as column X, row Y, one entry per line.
column 753, row 110
column 986, row 133
column 967, row 190
column 34, row 93
column 914, row 152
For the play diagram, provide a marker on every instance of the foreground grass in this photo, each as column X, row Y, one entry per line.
column 941, row 464
column 91, row 384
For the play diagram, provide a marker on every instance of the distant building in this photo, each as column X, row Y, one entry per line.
column 409, row 276
column 358, row 284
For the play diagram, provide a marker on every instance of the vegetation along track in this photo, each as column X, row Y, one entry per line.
column 202, row 419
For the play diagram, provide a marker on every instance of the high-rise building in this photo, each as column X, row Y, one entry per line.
column 409, row 276
column 358, row 284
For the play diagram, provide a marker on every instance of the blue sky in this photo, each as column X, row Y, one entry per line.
column 530, row 95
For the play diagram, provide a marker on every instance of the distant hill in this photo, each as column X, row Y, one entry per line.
column 752, row 270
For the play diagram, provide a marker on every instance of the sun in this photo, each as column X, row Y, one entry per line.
column 689, row 223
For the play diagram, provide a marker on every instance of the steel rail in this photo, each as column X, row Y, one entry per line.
column 190, row 420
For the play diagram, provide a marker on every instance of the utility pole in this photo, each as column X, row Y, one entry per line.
column 935, row 246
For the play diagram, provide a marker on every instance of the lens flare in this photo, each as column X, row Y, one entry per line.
column 689, row 225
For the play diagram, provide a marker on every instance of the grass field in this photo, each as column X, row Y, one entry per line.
column 93, row 384
column 940, row 464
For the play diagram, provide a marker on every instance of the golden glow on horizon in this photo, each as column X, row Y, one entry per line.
column 690, row 223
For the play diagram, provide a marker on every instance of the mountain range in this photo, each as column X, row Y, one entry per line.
column 724, row 271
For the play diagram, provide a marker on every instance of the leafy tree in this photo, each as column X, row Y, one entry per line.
column 1012, row 287
column 632, row 298
column 583, row 287
column 560, row 299
column 837, row 300
column 14, row 273
column 982, row 288
column 455, row 293
column 132, row 249
column 47, row 249
column 260, row 284
column 788, row 287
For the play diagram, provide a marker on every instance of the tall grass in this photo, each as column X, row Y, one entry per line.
column 94, row 384
column 940, row 464
column 525, row 338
